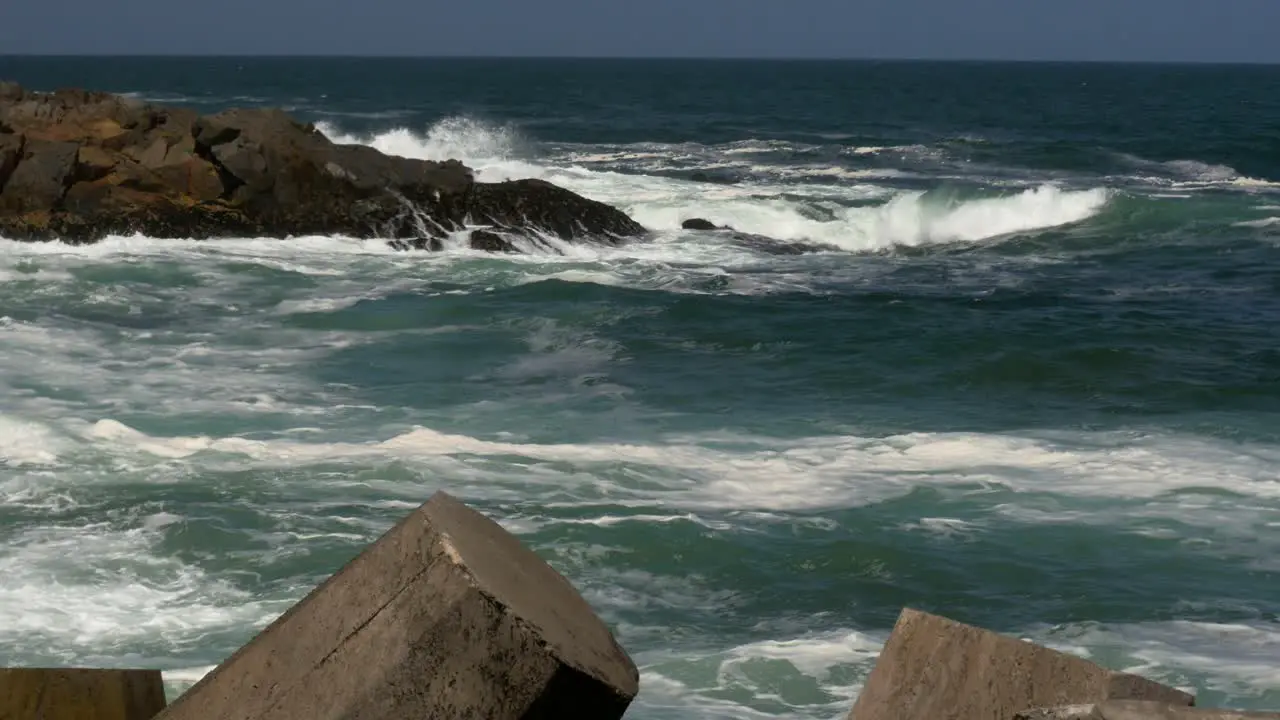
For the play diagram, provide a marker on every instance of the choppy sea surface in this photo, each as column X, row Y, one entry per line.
column 1034, row 385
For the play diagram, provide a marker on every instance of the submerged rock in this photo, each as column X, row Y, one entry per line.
column 761, row 243
column 78, row 166
column 699, row 224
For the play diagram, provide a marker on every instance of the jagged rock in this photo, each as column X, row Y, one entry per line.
column 446, row 616
column 490, row 241
column 520, row 204
column 10, row 153
column 933, row 668
column 78, row 166
column 43, row 172
column 1140, row 710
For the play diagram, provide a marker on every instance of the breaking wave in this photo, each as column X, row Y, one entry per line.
column 835, row 215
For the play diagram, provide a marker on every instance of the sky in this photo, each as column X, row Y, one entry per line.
column 1123, row 30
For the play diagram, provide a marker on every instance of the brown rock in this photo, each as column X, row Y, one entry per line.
column 93, row 162
column 73, row 694
column 41, row 177
column 194, row 177
column 265, row 170
column 10, row 153
column 10, row 91
column 1140, row 710
column 182, row 150
column 150, row 156
column 933, row 668
column 446, row 616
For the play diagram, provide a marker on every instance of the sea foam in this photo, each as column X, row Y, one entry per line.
column 660, row 203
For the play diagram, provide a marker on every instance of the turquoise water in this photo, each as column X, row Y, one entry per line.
column 1036, row 386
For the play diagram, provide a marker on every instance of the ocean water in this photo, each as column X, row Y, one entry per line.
column 1035, row 386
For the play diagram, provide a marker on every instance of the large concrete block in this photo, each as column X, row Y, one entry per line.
column 446, row 616
column 1140, row 710
column 76, row 694
column 933, row 668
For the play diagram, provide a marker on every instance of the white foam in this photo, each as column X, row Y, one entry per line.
column 67, row 589
column 663, row 203
column 815, row 473
column 24, row 442
column 908, row 219
column 1235, row 659
column 803, row 676
column 1261, row 223
column 1197, row 174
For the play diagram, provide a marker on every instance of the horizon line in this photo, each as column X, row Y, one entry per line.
column 640, row 58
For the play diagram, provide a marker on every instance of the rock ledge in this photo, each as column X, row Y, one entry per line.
column 78, row 166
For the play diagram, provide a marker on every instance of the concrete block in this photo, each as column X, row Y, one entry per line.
column 1141, row 710
column 446, row 616
column 80, row 694
column 933, row 668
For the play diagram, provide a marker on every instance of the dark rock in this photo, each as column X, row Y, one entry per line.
column 716, row 178
column 699, row 224
column 772, row 246
column 80, row 694
column 447, row 615
column 933, row 667
column 490, row 241
column 10, row 154
column 538, row 204
column 41, row 177
column 158, row 171
column 759, row 243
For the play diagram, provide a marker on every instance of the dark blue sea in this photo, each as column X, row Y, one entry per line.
column 1034, row 383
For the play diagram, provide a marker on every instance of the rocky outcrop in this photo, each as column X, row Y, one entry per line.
column 933, row 668
column 447, row 615
column 78, row 166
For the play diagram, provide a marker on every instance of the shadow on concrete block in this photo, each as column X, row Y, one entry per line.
column 80, row 694
column 933, row 668
column 1140, row 710
column 446, row 616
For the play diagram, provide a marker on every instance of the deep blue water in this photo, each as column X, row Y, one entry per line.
column 1036, row 387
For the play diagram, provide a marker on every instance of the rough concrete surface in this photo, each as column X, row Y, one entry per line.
column 1140, row 710
column 446, row 616
column 933, row 668
column 80, row 694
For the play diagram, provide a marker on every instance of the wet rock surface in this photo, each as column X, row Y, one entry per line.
column 78, row 166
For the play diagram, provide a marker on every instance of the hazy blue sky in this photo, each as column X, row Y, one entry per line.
column 1196, row 30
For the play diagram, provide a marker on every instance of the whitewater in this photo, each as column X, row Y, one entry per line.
column 1031, row 391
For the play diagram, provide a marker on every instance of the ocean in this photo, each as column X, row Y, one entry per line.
column 1034, row 384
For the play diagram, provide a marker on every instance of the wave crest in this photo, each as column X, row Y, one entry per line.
column 490, row 149
column 907, row 219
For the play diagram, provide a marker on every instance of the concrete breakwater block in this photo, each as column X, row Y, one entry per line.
column 446, row 616
column 80, row 694
column 933, row 668
column 1140, row 710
